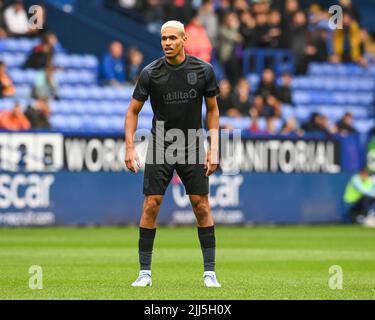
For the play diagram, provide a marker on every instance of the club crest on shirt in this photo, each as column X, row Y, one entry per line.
column 192, row 78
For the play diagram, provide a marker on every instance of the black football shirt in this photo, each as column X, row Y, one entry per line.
column 176, row 92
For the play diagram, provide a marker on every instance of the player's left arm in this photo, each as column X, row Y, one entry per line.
column 212, row 122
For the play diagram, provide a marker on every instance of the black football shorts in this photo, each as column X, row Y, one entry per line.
column 158, row 176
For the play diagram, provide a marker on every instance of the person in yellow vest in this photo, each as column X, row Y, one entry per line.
column 347, row 42
column 360, row 196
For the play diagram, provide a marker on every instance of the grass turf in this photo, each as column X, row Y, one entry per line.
column 252, row 263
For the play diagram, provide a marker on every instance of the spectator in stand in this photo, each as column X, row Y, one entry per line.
column 269, row 91
column 210, row 21
column 240, row 6
column 302, row 49
column 223, row 9
column 291, row 7
column 318, row 17
column 46, row 84
column 320, row 40
column 112, row 66
column 274, row 35
column 317, row 123
column 38, row 114
column 242, row 98
column 270, row 125
column 181, row 10
column 229, row 37
column 261, row 30
column 262, row 6
column 347, row 42
column 225, row 100
column 16, row 20
column 345, row 124
column 254, row 124
column 247, row 30
column 290, row 127
column 3, row 33
column 312, row 124
column 367, row 47
column 326, row 125
column 284, row 91
column 134, row 64
column 154, row 13
column 197, row 44
column 42, row 54
column 258, row 105
column 7, row 88
column 14, row 119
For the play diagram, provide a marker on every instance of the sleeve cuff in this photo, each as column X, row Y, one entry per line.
column 139, row 97
column 212, row 93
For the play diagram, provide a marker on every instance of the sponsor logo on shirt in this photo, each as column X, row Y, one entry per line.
column 180, row 96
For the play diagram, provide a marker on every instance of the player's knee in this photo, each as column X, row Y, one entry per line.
column 201, row 207
column 152, row 205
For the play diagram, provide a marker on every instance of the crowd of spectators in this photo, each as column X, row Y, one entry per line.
column 14, row 23
column 118, row 69
column 226, row 27
column 265, row 102
column 217, row 30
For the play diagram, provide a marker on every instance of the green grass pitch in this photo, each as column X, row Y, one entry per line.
column 252, row 263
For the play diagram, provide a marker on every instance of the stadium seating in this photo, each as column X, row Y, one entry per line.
column 84, row 105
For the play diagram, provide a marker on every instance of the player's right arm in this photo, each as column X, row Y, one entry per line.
column 131, row 122
column 140, row 95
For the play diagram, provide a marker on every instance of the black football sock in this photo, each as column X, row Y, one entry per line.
column 208, row 245
column 145, row 245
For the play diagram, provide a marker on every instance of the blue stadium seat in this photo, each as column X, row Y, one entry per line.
column 332, row 97
column 302, row 113
column 117, row 108
column 147, row 109
column 61, row 60
column 22, row 45
column 288, row 111
column 23, row 91
column 66, row 122
column 339, row 69
column 59, row 121
column 364, row 125
column 75, row 61
column 6, row 104
column 13, row 59
column 102, row 122
column 254, row 80
column 117, row 122
column 89, row 121
column 144, row 122
column 76, row 77
column 74, row 122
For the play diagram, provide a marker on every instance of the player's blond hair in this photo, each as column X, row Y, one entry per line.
column 174, row 24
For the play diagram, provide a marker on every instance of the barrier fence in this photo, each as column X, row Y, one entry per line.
column 70, row 179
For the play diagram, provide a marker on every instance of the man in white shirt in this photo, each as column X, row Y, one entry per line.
column 16, row 20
